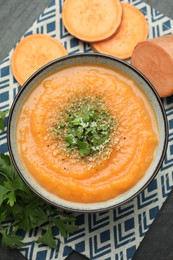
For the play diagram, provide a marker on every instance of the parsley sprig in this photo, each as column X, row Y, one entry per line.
column 21, row 210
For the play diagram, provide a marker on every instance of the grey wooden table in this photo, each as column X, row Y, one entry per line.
column 16, row 16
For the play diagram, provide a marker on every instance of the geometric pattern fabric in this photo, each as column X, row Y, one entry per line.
column 117, row 233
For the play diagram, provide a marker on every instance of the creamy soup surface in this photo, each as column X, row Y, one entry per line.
column 51, row 125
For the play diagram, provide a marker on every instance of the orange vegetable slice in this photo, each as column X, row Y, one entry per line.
column 32, row 53
column 133, row 29
column 154, row 58
column 91, row 20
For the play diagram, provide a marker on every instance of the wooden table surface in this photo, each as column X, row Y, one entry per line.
column 16, row 16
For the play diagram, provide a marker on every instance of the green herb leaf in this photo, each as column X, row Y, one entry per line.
column 3, row 216
column 14, row 196
column 5, row 165
column 71, row 140
column 2, row 119
column 47, row 238
column 87, row 127
column 62, row 124
column 7, row 168
column 10, row 197
column 84, row 148
column 12, row 240
column 3, row 191
column 33, row 216
column 65, row 226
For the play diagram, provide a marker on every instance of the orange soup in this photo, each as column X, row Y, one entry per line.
column 87, row 134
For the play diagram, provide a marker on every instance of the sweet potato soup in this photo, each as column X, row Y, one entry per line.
column 87, row 134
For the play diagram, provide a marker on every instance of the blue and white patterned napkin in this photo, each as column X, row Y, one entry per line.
column 117, row 233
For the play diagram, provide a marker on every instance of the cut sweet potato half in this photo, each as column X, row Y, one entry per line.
column 32, row 53
column 132, row 30
column 91, row 20
column 154, row 58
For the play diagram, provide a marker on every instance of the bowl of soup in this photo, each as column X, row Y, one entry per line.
column 87, row 132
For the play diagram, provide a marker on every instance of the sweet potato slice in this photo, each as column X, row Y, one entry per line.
column 133, row 29
column 91, row 20
column 32, row 53
column 154, row 58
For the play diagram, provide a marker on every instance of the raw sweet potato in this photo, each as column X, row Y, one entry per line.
column 132, row 30
column 91, row 20
column 33, row 52
column 154, row 58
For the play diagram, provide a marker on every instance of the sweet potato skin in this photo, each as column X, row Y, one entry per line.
column 154, row 58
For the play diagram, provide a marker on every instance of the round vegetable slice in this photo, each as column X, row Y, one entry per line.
column 32, row 53
column 91, row 20
column 154, row 58
column 133, row 29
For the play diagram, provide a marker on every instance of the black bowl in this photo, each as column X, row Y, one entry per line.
column 78, row 59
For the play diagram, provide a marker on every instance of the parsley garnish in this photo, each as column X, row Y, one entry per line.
column 87, row 126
